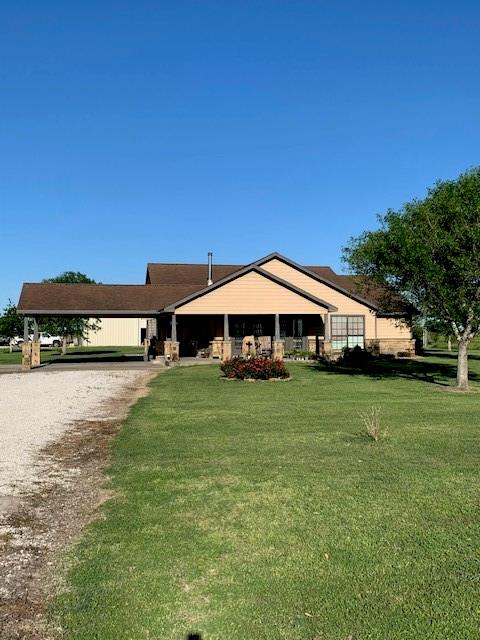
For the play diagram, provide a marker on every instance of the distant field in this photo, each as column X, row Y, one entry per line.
column 440, row 342
column 74, row 353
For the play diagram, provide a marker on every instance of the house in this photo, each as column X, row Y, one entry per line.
column 273, row 305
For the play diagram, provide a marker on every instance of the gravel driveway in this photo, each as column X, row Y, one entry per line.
column 37, row 408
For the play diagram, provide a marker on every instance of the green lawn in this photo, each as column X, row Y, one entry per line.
column 73, row 354
column 437, row 341
column 261, row 511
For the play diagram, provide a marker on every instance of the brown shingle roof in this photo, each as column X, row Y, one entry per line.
column 160, row 273
column 353, row 284
column 99, row 299
column 166, row 284
column 163, row 273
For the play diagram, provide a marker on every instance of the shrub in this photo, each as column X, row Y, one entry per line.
column 254, row 369
column 371, row 421
column 356, row 357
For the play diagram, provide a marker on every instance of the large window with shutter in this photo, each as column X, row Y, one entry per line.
column 348, row 331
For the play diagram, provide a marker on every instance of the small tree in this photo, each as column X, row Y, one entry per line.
column 429, row 252
column 77, row 327
column 11, row 323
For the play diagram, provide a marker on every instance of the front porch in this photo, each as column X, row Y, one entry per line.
column 228, row 335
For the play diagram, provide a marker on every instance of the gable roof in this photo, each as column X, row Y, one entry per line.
column 326, row 276
column 351, row 286
column 241, row 272
column 171, row 285
column 386, row 303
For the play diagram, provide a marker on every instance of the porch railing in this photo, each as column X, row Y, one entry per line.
column 291, row 344
column 237, row 346
column 296, row 344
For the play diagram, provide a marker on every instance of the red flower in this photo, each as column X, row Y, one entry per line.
column 255, row 368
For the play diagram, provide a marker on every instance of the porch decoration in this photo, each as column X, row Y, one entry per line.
column 255, row 369
column 249, row 347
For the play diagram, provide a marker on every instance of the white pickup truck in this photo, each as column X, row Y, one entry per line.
column 45, row 339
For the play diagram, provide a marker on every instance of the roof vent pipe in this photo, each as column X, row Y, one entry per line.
column 209, row 281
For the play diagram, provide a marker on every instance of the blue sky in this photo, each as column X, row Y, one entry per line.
column 157, row 131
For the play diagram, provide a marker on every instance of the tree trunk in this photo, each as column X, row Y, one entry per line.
column 449, row 343
column 64, row 345
column 462, row 365
column 425, row 338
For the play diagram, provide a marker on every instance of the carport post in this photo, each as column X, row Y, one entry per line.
column 35, row 347
column 26, row 347
column 174, row 327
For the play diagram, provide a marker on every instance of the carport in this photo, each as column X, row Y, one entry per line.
column 41, row 300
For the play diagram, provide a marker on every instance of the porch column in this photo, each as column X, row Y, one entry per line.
column 327, row 342
column 171, row 347
column 277, row 326
column 278, row 344
column 35, row 330
column 152, row 328
column 25, row 329
column 327, row 326
column 227, row 343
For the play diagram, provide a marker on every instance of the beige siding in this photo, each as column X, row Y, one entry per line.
column 256, row 294
column 117, row 332
column 251, row 293
column 374, row 327
column 346, row 306
column 390, row 328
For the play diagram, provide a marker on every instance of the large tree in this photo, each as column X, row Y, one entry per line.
column 11, row 323
column 77, row 327
column 429, row 252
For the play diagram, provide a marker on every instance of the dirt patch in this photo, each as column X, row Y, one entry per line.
column 36, row 529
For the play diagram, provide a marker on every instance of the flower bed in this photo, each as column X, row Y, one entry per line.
column 254, row 369
column 300, row 355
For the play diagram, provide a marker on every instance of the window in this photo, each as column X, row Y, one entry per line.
column 348, row 331
column 257, row 328
column 291, row 326
column 297, row 327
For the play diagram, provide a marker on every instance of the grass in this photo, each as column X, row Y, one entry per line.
column 74, row 354
column 437, row 341
column 262, row 511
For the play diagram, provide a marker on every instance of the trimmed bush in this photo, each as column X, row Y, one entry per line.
column 254, row 369
column 356, row 357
